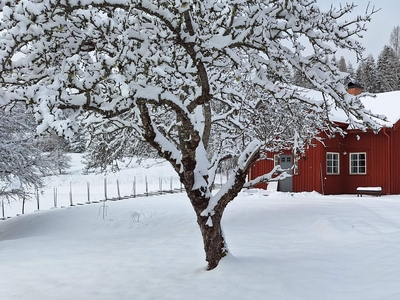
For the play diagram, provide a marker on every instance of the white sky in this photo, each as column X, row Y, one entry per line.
column 379, row 28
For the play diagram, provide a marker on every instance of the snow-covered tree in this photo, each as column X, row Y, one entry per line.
column 351, row 71
column 55, row 149
column 105, row 151
column 394, row 40
column 22, row 161
column 367, row 75
column 78, row 143
column 388, row 70
column 184, row 76
column 342, row 65
column 301, row 80
column 346, row 68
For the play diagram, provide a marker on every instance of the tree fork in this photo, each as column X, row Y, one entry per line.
column 215, row 246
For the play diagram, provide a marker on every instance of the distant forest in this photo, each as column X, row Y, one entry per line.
column 375, row 75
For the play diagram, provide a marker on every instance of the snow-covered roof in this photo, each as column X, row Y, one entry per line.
column 387, row 104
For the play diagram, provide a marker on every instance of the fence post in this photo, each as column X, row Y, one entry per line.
column 118, row 190
column 160, row 185
column 104, row 207
column 23, row 205
column 88, row 192
column 37, row 199
column 70, row 194
column 55, row 196
column 170, row 185
column 134, row 186
column 147, row 186
column 105, row 188
column 2, row 208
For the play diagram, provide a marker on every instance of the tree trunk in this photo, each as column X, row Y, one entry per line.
column 215, row 246
column 209, row 218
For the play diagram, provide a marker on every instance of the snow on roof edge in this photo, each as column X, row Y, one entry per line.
column 387, row 104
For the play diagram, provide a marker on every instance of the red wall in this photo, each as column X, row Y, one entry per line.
column 376, row 148
column 259, row 168
column 309, row 177
column 395, row 159
column 312, row 166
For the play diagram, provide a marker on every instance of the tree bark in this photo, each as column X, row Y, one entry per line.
column 215, row 246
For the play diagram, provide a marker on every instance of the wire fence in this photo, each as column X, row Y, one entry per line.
column 77, row 193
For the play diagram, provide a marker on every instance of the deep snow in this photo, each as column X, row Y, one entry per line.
column 283, row 246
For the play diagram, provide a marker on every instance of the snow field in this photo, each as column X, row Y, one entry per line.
column 132, row 180
column 282, row 246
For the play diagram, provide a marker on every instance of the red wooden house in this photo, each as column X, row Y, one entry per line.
column 360, row 159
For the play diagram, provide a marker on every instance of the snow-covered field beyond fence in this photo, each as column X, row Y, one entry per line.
column 301, row 246
column 76, row 188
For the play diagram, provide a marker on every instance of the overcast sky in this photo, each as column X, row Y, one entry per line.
column 379, row 28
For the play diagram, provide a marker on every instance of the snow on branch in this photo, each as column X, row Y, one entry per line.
column 247, row 157
column 244, row 162
column 283, row 173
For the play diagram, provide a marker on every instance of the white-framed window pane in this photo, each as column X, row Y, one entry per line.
column 332, row 163
column 358, row 163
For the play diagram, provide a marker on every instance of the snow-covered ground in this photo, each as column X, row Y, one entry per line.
column 131, row 180
column 301, row 246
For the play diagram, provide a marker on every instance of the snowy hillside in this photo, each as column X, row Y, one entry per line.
column 283, row 246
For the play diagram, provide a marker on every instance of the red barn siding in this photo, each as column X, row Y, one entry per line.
column 334, row 183
column 259, row 168
column 376, row 148
column 308, row 178
column 395, row 159
column 383, row 164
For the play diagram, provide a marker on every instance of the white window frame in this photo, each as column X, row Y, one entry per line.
column 357, row 166
column 331, row 172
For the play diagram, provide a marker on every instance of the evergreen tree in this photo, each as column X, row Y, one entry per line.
column 78, row 143
column 299, row 79
column 359, row 73
column 366, row 75
column 388, row 70
column 351, row 71
column 342, row 65
column 395, row 40
column 346, row 68
column 333, row 60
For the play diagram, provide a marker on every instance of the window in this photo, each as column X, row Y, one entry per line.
column 332, row 163
column 358, row 163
